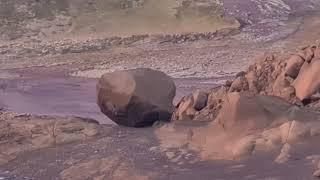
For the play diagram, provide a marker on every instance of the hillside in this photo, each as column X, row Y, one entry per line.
column 76, row 18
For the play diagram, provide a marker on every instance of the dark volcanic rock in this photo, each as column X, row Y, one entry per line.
column 136, row 98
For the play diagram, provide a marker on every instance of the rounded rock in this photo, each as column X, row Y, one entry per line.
column 137, row 97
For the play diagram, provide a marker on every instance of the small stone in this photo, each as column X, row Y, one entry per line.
column 153, row 148
column 228, row 83
column 252, row 80
column 239, row 84
column 186, row 110
column 280, row 83
column 176, row 159
column 189, row 155
column 287, row 93
column 170, row 155
column 284, row 155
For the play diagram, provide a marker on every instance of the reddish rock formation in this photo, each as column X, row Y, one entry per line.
column 294, row 79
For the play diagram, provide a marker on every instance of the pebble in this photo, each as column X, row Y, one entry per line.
column 170, row 155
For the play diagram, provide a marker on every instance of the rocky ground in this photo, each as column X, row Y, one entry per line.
column 49, row 119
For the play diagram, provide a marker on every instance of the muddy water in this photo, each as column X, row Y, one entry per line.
column 65, row 96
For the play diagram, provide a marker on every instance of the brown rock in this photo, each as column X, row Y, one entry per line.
column 280, row 83
column 239, row 84
column 252, row 80
column 200, row 100
column 307, row 54
column 288, row 93
column 25, row 132
column 215, row 97
column 246, row 111
column 205, row 115
column 308, row 81
column 317, row 53
column 228, row 83
column 284, row 155
column 294, row 64
column 290, row 79
column 298, row 131
column 136, row 98
column 177, row 102
column 185, row 110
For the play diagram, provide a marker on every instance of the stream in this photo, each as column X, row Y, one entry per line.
column 69, row 96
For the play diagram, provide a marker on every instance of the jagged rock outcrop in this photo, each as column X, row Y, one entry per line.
column 294, row 79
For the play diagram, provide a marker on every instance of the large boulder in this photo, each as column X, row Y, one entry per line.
column 247, row 111
column 293, row 66
column 308, row 81
column 136, row 98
